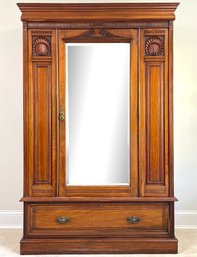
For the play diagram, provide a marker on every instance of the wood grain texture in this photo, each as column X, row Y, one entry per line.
column 42, row 121
column 101, row 24
column 98, row 214
column 101, row 199
column 96, row 219
column 154, row 125
column 153, row 119
column 112, row 11
column 25, row 111
column 109, row 36
column 98, row 246
column 41, row 105
column 170, row 110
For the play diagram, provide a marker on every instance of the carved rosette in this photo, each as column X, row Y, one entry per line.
column 41, row 46
column 154, row 46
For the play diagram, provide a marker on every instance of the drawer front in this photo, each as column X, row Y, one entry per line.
column 93, row 219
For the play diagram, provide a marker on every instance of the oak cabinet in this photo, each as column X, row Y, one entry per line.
column 98, row 128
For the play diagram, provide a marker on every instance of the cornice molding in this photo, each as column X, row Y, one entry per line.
column 97, row 11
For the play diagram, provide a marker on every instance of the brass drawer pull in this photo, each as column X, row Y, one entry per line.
column 133, row 219
column 62, row 220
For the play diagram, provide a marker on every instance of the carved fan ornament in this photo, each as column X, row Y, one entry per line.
column 154, row 46
column 41, row 46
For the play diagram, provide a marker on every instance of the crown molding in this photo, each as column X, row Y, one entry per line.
column 97, row 11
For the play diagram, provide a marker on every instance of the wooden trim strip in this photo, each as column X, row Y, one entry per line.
column 93, row 24
column 97, row 11
column 96, row 245
column 98, row 199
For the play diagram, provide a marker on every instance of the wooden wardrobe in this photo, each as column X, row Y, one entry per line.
column 63, row 217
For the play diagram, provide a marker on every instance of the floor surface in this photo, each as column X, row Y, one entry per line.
column 9, row 245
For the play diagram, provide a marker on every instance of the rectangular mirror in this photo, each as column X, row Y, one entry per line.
column 97, row 113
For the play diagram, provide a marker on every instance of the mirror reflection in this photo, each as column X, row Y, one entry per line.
column 97, row 113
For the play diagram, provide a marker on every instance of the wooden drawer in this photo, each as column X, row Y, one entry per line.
column 105, row 219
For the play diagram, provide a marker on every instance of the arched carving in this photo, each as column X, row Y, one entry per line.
column 41, row 46
column 98, row 35
column 154, row 46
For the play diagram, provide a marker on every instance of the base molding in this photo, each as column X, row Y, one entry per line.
column 98, row 245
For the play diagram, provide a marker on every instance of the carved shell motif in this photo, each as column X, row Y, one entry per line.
column 41, row 46
column 154, row 46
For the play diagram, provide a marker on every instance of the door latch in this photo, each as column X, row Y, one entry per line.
column 61, row 115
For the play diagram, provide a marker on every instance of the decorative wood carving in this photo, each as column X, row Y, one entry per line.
column 97, row 35
column 154, row 45
column 154, row 134
column 98, row 214
column 95, row 24
column 101, row 35
column 41, row 46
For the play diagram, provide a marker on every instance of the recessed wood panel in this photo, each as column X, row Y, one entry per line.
column 96, row 218
column 42, row 123
column 154, row 124
column 42, row 116
column 153, row 113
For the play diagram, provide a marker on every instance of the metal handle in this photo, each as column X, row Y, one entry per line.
column 62, row 220
column 61, row 115
column 133, row 219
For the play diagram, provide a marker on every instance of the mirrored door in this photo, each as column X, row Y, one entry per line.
column 98, row 97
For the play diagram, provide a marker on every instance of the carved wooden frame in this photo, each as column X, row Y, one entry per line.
column 108, row 36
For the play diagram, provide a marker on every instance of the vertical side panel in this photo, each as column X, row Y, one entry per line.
column 42, row 123
column 42, row 114
column 25, row 106
column 134, row 114
column 153, row 113
column 154, row 126
column 171, row 133
column 62, row 106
